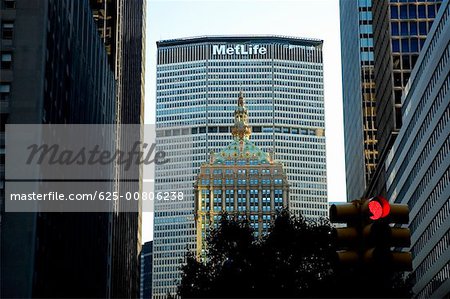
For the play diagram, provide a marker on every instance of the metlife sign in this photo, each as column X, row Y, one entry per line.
column 238, row 50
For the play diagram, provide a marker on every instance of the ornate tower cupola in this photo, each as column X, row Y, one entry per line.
column 241, row 130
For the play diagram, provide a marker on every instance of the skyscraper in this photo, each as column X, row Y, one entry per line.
column 399, row 30
column 197, row 82
column 395, row 23
column 352, row 100
column 358, row 95
column 127, row 52
column 242, row 181
column 418, row 166
column 146, row 270
column 52, row 46
column 86, row 67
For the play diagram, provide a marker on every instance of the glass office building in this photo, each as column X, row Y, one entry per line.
column 198, row 80
column 74, row 76
column 399, row 31
column 418, row 166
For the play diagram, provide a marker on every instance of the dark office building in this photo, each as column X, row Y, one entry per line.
column 418, row 166
column 57, row 68
column 352, row 104
column 358, row 86
column 146, row 270
column 399, row 32
column 129, row 70
column 105, row 16
column 58, row 73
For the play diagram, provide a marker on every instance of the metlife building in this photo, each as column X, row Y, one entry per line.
column 198, row 82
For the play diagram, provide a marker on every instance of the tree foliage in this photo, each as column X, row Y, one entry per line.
column 296, row 259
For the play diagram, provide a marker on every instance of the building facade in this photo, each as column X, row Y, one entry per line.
column 54, row 84
column 352, row 104
column 146, row 270
column 71, row 77
column 418, row 166
column 399, row 31
column 197, row 82
column 358, row 87
column 126, row 48
column 242, row 181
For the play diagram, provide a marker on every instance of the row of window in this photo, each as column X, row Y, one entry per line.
column 434, row 40
column 441, row 95
column 294, row 97
column 239, row 171
column 7, row 30
column 439, row 158
column 417, row 140
column 438, row 219
column 429, row 203
column 408, row 45
column 185, row 55
column 441, row 277
column 218, row 182
column 413, row 11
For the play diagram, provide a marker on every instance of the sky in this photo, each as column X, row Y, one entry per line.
column 166, row 19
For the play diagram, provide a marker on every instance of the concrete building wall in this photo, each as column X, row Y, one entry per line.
column 418, row 164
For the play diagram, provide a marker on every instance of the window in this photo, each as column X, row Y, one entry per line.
column 365, row 29
column 403, row 12
column 396, row 62
column 9, row 4
column 431, row 12
column 395, row 45
column 404, row 28
column 405, row 45
column 405, row 62
column 413, row 28
column 5, row 89
column 6, row 60
column 394, row 28
column 421, row 9
column 394, row 12
column 366, row 42
column 423, row 28
column 7, row 30
column 397, row 79
column 412, row 11
column 414, row 45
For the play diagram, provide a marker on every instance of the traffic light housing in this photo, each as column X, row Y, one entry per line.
column 370, row 235
column 347, row 238
column 381, row 234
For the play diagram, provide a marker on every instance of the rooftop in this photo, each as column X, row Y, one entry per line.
column 241, row 39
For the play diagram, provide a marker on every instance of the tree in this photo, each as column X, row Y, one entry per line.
column 295, row 259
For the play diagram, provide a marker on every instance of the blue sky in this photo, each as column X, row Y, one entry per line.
column 319, row 19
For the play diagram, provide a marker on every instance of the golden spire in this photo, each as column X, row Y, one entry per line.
column 241, row 130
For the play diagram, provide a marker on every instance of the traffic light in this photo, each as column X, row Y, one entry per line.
column 370, row 234
column 376, row 207
column 380, row 235
column 347, row 238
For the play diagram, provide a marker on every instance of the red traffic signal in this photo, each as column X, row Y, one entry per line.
column 378, row 207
